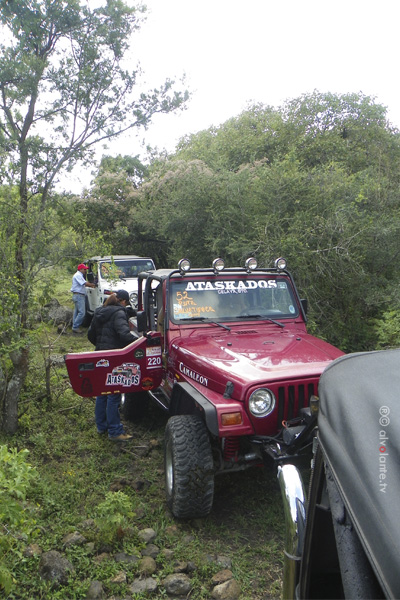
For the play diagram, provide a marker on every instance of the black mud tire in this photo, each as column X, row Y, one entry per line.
column 88, row 316
column 135, row 406
column 189, row 469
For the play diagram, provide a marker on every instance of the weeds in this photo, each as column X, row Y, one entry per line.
column 79, row 475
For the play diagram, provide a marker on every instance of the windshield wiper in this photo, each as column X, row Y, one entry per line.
column 264, row 318
column 204, row 319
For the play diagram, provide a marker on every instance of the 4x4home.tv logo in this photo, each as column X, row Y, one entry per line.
column 384, row 421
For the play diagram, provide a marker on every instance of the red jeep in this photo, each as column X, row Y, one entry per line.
column 225, row 352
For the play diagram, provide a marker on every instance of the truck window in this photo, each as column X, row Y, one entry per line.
column 221, row 299
column 125, row 268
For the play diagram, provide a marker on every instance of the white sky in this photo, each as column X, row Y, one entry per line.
column 234, row 52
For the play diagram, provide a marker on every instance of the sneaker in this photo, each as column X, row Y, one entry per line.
column 123, row 437
column 77, row 330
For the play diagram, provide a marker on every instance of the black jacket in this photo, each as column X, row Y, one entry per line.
column 109, row 328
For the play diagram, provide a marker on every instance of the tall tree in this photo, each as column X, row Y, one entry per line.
column 316, row 181
column 63, row 89
column 108, row 205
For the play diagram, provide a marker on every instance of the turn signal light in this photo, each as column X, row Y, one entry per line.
column 231, row 419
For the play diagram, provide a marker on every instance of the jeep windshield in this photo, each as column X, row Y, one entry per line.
column 232, row 298
column 124, row 269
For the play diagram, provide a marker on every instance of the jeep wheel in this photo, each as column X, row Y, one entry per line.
column 188, row 462
column 135, row 406
column 88, row 316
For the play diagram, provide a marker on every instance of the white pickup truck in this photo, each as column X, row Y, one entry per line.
column 112, row 273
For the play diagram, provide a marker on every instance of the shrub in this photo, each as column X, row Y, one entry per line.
column 114, row 516
column 17, row 521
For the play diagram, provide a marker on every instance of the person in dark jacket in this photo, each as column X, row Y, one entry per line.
column 109, row 330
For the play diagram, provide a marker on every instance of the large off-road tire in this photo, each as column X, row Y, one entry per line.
column 135, row 406
column 189, row 472
column 88, row 316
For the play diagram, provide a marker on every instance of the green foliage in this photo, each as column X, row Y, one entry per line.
column 388, row 330
column 114, row 515
column 255, row 134
column 129, row 166
column 350, row 129
column 112, row 209
column 16, row 476
column 17, row 521
column 10, row 309
column 76, row 471
column 64, row 88
column 75, row 52
column 315, row 181
column 5, row 579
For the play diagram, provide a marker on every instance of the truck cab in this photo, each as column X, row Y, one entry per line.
column 112, row 273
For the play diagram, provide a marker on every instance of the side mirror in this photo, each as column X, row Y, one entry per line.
column 141, row 320
column 304, row 303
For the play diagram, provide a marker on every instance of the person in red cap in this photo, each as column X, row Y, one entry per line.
column 78, row 289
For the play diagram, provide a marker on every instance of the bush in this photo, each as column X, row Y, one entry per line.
column 388, row 330
column 17, row 522
column 114, row 516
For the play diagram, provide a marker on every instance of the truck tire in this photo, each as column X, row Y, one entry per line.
column 88, row 316
column 135, row 406
column 188, row 463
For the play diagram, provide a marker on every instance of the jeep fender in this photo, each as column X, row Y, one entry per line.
column 187, row 400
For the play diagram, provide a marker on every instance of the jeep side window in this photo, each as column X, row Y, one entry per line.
column 104, row 270
column 91, row 275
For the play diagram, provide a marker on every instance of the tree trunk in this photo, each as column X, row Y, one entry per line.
column 10, row 404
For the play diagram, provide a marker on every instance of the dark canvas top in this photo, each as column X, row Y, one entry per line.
column 359, row 429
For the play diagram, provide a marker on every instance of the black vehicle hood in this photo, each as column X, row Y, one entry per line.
column 359, row 430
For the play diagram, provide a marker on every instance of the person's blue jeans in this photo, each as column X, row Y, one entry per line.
column 106, row 414
column 79, row 311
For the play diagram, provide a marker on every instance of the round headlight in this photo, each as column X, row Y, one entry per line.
column 218, row 264
column 261, row 402
column 184, row 265
column 280, row 263
column 250, row 264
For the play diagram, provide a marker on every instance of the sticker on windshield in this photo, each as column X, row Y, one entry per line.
column 292, row 309
column 231, row 286
column 187, row 308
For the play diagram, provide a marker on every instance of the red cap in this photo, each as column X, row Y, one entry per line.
column 82, row 266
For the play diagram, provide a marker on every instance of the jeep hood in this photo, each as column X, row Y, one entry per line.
column 130, row 284
column 253, row 358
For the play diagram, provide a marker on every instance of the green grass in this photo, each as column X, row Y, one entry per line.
column 77, row 469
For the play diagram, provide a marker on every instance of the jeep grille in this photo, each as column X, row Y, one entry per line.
column 292, row 397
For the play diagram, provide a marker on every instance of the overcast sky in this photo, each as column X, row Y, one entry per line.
column 235, row 52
